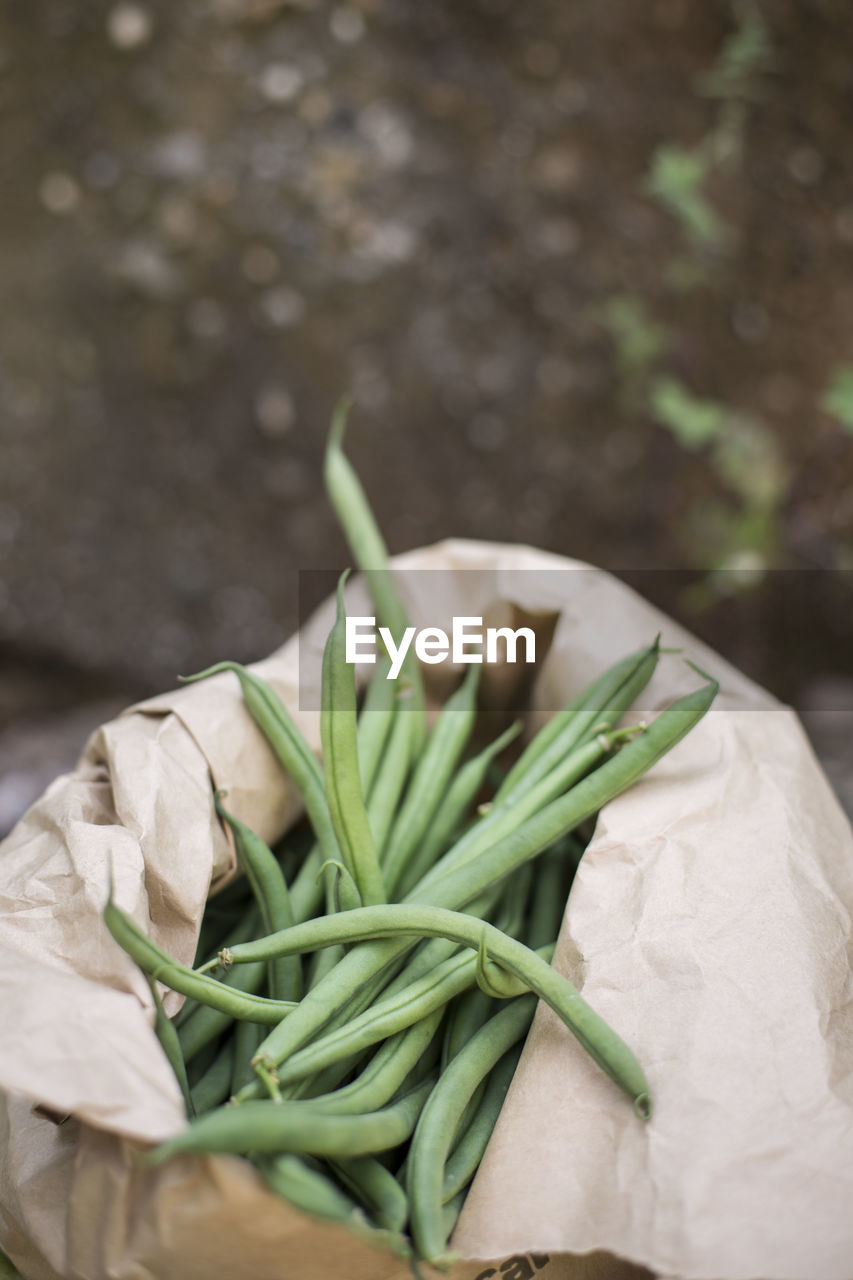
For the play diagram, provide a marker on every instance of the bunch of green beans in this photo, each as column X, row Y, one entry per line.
column 361, row 993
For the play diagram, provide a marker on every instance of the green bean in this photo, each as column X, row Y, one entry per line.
column 439, row 1121
column 375, row 720
column 247, row 1037
column 199, row 1063
column 434, row 951
column 466, row 1015
column 606, row 702
column 340, row 764
column 216, row 924
column 450, row 1213
column 377, row 1189
column 206, row 1022
column 341, row 895
column 306, row 889
column 270, row 1128
column 171, row 1046
column 387, row 1016
column 553, row 727
column 500, row 821
column 473, row 1007
column 395, row 1065
column 427, row 959
column 551, row 891
column 387, row 1070
column 596, row 693
column 246, row 927
column 370, row 553
column 206, row 990
column 456, row 888
column 341, row 890
column 305, row 1188
column 215, row 1085
column 288, row 745
column 270, row 890
column 466, row 1156
column 454, row 885
column 460, row 795
column 432, row 773
column 391, row 776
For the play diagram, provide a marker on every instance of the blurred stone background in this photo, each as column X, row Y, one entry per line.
column 586, row 270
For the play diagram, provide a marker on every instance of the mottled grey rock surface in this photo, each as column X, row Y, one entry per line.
column 217, row 217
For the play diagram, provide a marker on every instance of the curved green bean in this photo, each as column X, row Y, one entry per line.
column 465, row 1158
column 603, row 1045
column 386, row 1072
column 440, row 1117
column 155, row 962
column 387, row 1016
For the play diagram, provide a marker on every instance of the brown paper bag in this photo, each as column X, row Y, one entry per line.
column 709, row 923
